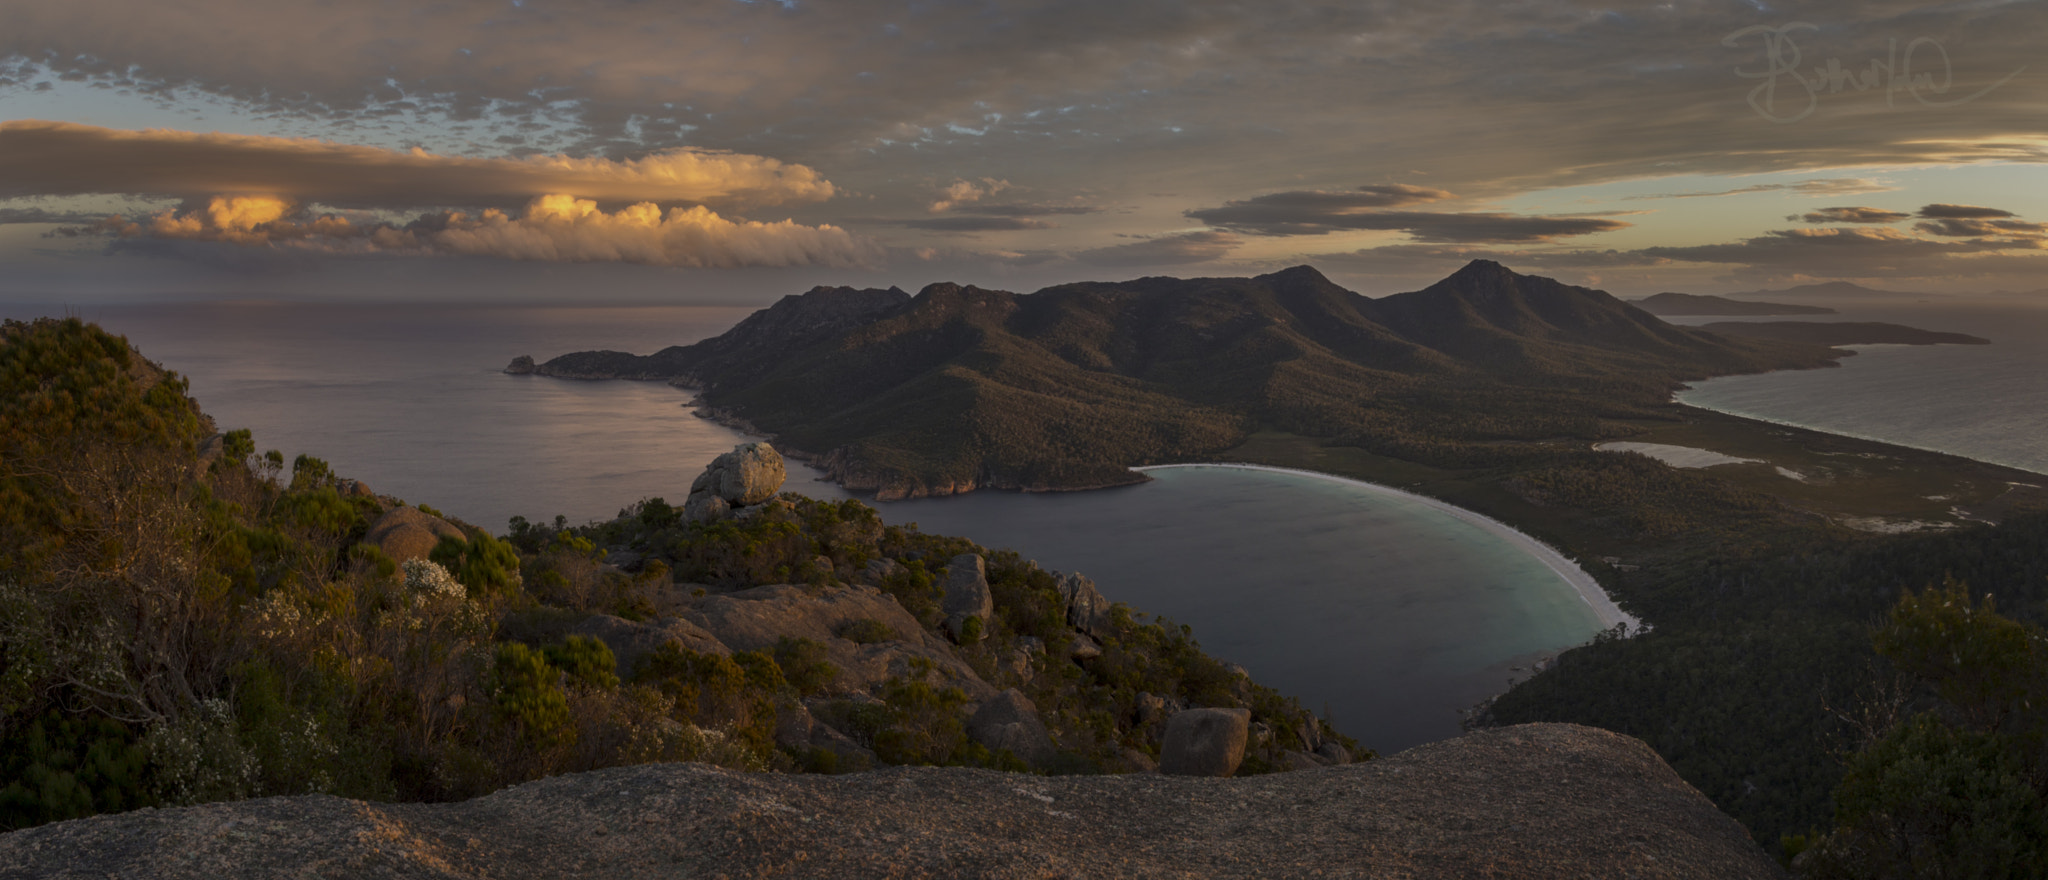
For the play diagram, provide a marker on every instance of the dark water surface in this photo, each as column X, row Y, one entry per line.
column 1386, row 614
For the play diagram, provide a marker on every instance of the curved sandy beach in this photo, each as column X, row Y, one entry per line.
column 1588, row 589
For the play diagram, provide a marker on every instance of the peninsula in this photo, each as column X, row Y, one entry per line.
column 1682, row 304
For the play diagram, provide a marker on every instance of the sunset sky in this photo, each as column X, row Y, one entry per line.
column 732, row 151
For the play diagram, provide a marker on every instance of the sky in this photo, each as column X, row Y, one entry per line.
column 733, row 151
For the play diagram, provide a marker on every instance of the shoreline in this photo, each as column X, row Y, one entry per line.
column 1588, row 589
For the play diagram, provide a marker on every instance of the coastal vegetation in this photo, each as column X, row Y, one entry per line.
column 183, row 619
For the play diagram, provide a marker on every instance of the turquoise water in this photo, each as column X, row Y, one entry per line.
column 1381, row 611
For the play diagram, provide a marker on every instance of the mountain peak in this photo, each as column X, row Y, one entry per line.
column 1483, row 269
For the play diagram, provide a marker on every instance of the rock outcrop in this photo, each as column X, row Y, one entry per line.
column 1010, row 721
column 748, row 475
column 1204, row 742
column 1534, row 801
column 967, row 595
column 409, row 533
column 755, row 619
column 520, row 366
column 1087, row 610
column 631, row 641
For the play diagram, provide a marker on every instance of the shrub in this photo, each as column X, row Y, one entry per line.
column 486, row 565
column 867, row 631
column 587, row 660
column 805, row 665
column 529, row 696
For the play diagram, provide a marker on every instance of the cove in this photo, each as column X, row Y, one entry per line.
column 1387, row 611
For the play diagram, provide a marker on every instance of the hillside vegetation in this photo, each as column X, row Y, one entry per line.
column 184, row 620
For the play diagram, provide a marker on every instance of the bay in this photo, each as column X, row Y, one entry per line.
column 1382, row 613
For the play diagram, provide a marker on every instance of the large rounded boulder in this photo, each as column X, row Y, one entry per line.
column 410, row 533
column 750, row 474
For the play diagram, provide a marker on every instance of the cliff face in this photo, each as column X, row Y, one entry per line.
column 1539, row 800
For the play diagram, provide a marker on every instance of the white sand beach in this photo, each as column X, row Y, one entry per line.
column 1588, row 589
column 1675, row 456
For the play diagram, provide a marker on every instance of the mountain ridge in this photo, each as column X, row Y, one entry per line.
column 961, row 387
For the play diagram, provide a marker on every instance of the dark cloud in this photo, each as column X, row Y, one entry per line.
column 1845, row 253
column 1189, row 247
column 1961, row 212
column 44, row 215
column 1303, row 216
column 1851, row 215
column 1982, row 228
column 1310, row 212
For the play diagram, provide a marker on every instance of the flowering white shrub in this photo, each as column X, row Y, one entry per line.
column 200, row 757
column 429, row 581
column 277, row 616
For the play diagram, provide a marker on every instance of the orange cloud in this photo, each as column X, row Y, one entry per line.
column 553, row 227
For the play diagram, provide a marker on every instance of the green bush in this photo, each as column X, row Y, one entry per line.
column 486, row 565
column 867, row 631
column 805, row 664
column 61, row 768
column 529, row 696
column 587, row 660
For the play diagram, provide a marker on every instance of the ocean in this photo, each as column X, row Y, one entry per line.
column 1987, row 402
column 1384, row 614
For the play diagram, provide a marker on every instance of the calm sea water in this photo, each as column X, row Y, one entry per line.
column 1987, row 402
column 1386, row 614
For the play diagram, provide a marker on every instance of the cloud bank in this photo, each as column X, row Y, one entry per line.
column 555, row 228
column 40, row 158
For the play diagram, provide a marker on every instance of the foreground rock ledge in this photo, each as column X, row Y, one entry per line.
column 1539, row 800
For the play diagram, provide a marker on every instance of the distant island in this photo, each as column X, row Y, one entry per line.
column 1843, row 290
column 1841, row 333
column 1679, row 304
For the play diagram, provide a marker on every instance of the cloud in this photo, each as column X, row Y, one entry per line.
column 1243, row 97
column 1823, row 186
column 62, row 159
column 1020, row 209
column 1850, row 215
column 1961, row 212
column 962, row 192
column 1187, row 247
column 1321, row 212
column 970, row 223
column 555, row 228
column 1310, row 212
column 1982, row 228
column 44, row 215
column 1846, row 253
